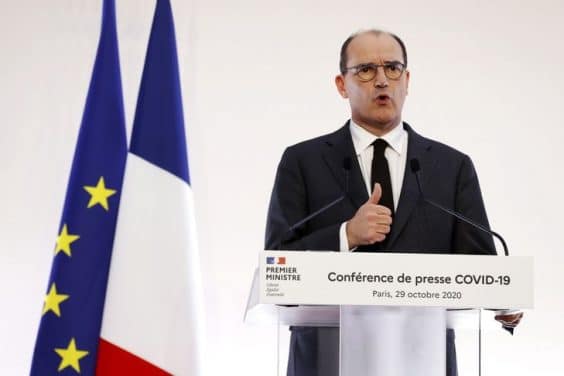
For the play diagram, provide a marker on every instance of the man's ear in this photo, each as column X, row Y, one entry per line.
column 340, row 83
column 407, row 82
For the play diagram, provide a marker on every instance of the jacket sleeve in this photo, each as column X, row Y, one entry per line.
column 469, row 202
column 288, row 205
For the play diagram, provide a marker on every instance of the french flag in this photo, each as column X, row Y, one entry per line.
column 276, row 260
column 153, row 314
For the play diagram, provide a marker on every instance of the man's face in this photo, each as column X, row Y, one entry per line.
column 375, row 104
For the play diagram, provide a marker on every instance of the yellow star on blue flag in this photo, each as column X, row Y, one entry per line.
column 99, row 194
column 53, row 299
column 64, row 240
column 70, row 356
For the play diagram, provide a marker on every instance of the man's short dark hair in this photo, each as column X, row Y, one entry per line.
column 344, row 57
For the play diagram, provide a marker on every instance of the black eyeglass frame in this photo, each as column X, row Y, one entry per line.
column 386, row 66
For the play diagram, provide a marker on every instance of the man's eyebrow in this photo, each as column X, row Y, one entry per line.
column 384, row 61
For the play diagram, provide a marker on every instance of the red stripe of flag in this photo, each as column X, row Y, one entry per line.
column 114, row 361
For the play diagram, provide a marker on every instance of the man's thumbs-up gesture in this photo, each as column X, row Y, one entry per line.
column 371, row 223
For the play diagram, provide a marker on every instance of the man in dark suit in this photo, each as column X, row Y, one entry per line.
column 382, row 211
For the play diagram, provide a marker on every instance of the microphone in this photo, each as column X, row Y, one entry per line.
column 415, row 168
column 347, row 163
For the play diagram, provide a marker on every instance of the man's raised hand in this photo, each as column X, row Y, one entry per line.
column 371, row 223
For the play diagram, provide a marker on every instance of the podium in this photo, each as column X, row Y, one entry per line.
column 388, row 314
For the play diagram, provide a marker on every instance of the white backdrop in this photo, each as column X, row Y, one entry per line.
column 486, row 78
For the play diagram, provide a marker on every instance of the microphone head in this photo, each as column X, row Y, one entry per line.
column 347, row 164
column 414, row 164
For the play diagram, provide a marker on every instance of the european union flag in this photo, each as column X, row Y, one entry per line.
column 69, row 331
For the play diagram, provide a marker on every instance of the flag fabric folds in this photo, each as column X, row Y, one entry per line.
column 152, row 318
column 67, row 340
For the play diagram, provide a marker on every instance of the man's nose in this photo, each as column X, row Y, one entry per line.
column 380, row 80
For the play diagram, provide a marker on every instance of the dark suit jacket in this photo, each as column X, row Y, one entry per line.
column 311, row 175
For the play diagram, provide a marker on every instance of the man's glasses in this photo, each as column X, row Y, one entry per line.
column 366, row 72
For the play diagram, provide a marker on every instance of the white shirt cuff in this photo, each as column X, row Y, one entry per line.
column 343, row 241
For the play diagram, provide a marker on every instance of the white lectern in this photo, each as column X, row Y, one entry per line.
column 391, row 313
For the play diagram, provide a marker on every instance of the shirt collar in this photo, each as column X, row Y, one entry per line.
column 362, row 139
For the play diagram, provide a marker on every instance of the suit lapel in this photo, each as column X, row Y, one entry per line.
column 417, row 147
column 339, row 147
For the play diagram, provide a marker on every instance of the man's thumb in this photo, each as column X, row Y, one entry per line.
column 376, row 194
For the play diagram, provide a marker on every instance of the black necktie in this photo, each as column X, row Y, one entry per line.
column 381, row 174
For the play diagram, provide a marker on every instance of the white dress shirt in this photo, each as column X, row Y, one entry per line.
column 396, row 155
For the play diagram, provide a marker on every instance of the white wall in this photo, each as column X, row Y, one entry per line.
column 486, row 78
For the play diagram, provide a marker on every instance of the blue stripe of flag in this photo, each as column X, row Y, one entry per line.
column 158, row 128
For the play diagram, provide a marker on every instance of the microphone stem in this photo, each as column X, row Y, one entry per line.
column 298, row 224
column 346, row 168
column 477, row 225
column 461, row 217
